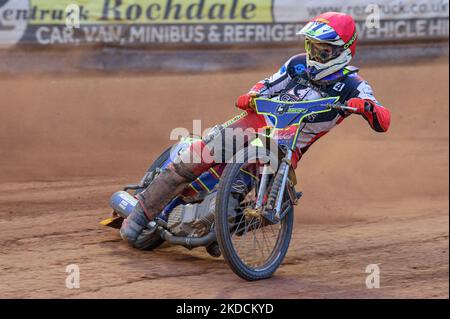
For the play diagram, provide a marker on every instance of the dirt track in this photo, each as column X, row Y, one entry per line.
column 67, row 143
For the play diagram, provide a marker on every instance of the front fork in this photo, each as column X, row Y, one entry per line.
column 274, row 211
column 283, row 172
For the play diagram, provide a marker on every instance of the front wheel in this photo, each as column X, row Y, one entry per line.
column 251, row 246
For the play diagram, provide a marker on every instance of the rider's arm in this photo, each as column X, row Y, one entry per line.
column 378, row 116
column 267, row 87
column 275, row 83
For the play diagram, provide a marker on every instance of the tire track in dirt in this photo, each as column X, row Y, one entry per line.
column 330, row 263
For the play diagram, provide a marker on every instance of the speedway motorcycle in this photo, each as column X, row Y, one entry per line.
column 241, row 209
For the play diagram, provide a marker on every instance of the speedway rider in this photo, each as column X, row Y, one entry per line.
column 323, row 71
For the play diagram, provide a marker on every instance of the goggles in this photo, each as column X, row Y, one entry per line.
column 322, row 52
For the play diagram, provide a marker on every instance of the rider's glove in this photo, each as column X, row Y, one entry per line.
column 361, row 105
column 246, row 102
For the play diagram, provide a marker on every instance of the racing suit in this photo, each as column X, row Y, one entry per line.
column 290, row 83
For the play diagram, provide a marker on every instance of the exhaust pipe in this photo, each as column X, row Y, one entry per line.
column 189, row 242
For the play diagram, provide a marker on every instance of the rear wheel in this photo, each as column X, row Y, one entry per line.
column 253, row 247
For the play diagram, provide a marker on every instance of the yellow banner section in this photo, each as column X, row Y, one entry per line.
column 152, row 11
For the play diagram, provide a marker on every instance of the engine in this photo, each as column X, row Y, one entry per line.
column 193, row 220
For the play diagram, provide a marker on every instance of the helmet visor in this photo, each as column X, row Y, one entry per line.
column 322, row 52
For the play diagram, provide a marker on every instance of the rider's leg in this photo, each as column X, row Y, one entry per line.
column 169, row 183
column 153, row 199
column 173, row 179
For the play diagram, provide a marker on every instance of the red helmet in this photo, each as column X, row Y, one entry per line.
column 337, row 31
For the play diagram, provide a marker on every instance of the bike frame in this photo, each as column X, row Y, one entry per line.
column 281, row 114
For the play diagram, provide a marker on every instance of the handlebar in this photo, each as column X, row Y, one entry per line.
column 340, row 106
column 336, row 106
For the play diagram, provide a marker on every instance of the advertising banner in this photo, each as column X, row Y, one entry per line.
column 199, row 23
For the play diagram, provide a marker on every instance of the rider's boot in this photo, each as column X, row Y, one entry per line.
column 168, row 184
column 134, row 224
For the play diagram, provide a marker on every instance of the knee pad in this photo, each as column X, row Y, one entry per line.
column 185, row 171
